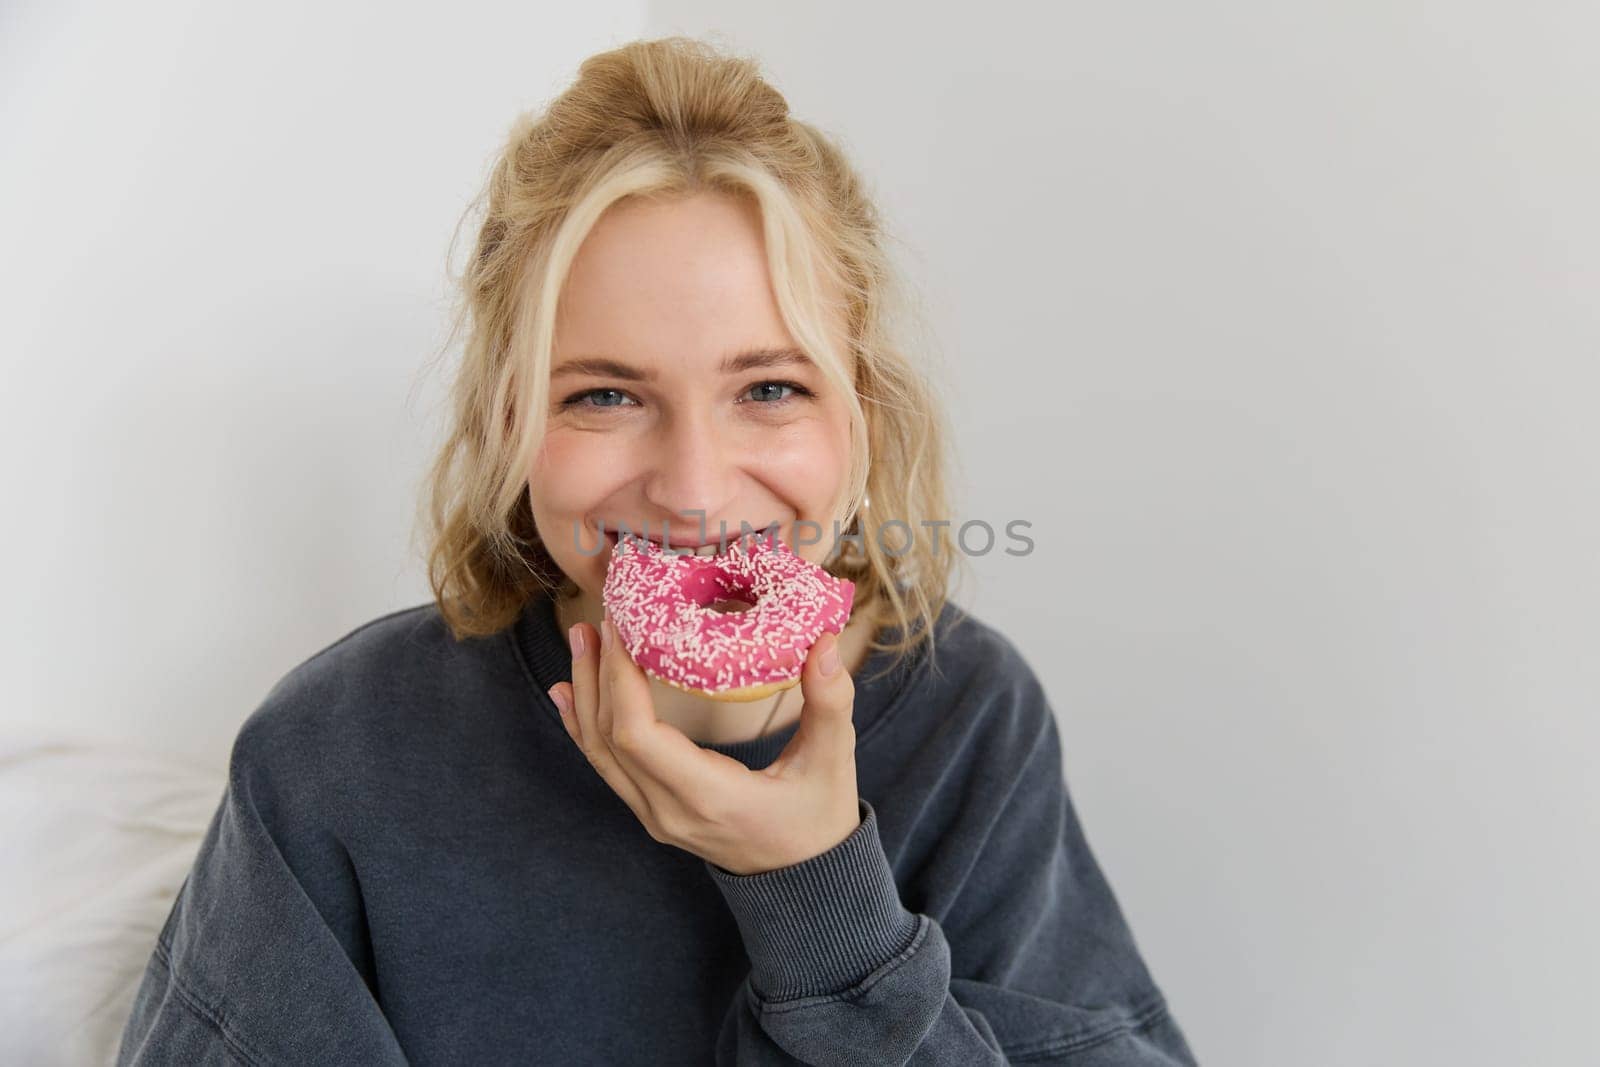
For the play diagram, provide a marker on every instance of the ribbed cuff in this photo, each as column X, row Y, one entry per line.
column 822, row 925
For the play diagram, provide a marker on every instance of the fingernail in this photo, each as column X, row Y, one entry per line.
column 559, row 699
column 575, row 638
column 605, row 635
column 830, row 659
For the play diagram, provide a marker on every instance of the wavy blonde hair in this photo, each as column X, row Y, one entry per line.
column 663, row 119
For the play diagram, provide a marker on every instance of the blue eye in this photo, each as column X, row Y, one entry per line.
column 768, row 399
column 773, row 385
column 577, row 399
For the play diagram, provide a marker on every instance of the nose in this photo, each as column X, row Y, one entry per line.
column 692, row 466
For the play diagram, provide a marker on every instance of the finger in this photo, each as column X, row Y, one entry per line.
column 585, row 682
column 593, row 744
column 827, row 730
column 652, row 750
column 624, row 693
column 624, row 689
column 560, row 695
column 608, row 646
column 627, row 789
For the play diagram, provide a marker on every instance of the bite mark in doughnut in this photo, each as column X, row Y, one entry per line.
column 661, row 604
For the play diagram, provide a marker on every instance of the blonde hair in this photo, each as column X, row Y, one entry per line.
column 663, row 119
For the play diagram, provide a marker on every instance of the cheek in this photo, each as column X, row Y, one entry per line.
column 572, row 472
column 807, row 462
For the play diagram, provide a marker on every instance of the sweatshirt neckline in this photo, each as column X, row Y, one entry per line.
column 538, row 637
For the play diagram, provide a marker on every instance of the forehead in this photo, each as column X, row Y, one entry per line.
column 679, row 281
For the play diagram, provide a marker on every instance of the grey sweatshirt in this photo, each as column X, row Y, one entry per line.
column 413, row 863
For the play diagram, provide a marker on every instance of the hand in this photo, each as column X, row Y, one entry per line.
column 802, row 804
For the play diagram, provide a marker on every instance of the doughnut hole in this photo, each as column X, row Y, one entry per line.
column 709, row 587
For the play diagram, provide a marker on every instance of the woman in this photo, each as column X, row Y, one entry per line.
column 475, row 831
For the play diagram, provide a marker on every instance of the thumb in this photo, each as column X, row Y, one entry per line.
column 827, row 716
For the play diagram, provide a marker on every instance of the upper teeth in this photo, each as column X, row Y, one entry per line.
column 713, row 549
column 704, row 550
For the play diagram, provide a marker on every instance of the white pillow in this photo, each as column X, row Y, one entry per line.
column 95, row 840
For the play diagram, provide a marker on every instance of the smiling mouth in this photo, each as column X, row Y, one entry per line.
column 687, row 548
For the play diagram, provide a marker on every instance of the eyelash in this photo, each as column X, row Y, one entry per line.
column 576, row 400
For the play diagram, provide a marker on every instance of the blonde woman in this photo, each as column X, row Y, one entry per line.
column 474, row 831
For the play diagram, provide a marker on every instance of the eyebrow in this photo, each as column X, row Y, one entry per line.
column 755, row 358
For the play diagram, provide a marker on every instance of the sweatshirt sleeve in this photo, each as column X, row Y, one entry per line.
column 1031, row 961
column 254, row 963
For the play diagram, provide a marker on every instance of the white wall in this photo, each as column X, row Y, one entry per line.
column 225, row 232
column 1281, row 326
column 1277, row 325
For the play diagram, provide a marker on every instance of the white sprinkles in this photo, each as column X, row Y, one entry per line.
column 660, row 603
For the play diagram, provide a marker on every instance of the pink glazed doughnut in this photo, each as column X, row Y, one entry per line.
column 660, row 603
